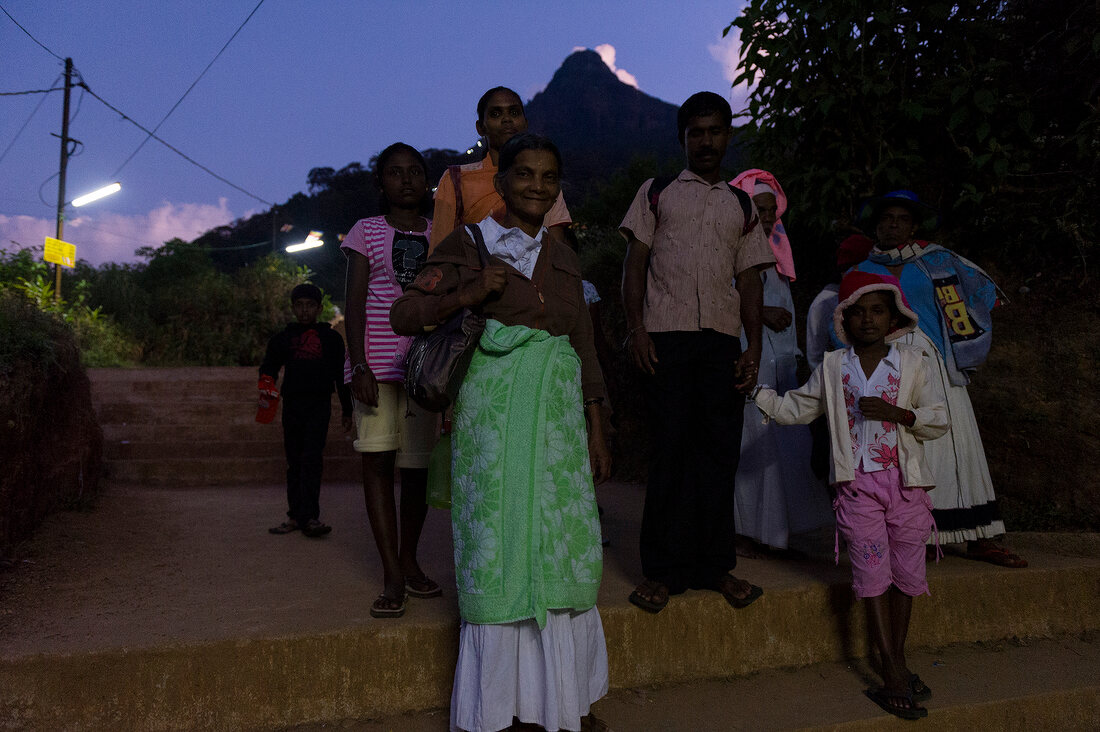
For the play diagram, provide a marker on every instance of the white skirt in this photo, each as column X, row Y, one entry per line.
column 957, row 459
column 548, row 677
column 776, row 493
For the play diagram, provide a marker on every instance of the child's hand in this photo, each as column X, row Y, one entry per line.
column 881, row 410
column 746, row 370
column 347, row 423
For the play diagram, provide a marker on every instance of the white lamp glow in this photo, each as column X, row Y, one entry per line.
column 312, row 241
column 97, row 194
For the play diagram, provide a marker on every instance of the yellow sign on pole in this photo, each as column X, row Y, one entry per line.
column 60, row 252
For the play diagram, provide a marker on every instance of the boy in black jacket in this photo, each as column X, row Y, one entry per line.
column 313, row 355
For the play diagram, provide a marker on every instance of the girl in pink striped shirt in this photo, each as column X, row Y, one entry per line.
column 385, row 253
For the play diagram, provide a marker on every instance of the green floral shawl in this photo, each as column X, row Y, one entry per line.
column 526, row 531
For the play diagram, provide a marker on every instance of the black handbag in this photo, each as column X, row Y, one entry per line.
column 437, row 361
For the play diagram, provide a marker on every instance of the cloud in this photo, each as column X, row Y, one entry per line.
column 107, row 237
column 727, row 52
column 607, row 53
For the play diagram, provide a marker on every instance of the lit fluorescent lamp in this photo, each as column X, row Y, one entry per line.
column 98, row 194
column 312, row 241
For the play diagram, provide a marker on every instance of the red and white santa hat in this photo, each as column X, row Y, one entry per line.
column 855, row 285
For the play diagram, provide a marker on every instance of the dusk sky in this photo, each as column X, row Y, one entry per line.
column 304, row 84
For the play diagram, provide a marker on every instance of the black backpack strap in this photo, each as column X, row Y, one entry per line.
column 746, row 209
column 654, row 195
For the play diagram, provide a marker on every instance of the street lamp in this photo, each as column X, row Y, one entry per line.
column 97, row 194
column 312, row 241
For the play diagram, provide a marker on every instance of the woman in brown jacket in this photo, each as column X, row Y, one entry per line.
column 527, row 442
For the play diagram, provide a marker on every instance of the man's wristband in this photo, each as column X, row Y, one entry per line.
column 359, row 368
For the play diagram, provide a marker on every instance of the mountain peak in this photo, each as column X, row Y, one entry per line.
column 599, row 122
column 585, row 62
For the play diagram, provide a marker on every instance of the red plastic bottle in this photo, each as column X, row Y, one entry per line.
column 269, row 400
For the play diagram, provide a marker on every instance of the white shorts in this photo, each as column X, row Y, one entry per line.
column 397, row 423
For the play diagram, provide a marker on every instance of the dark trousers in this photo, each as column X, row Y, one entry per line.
column 305, row 429
column 695, row 418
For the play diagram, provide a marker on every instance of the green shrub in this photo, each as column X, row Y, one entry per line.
column 102, row 342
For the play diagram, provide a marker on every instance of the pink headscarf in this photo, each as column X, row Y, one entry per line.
column 753, row 182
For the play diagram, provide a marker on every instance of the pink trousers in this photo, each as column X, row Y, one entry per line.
column 886, row 526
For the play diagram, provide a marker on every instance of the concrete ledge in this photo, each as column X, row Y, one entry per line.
column 248, row 684
column 699, row 636
column 385, row 670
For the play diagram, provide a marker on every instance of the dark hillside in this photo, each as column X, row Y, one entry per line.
column 600, row 123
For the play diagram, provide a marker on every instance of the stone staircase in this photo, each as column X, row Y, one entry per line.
column 196, row 427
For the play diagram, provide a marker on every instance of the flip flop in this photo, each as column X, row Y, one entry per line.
column 423, row 587
column 738, row 602
column 379, row 610
column 998, row 555
column 918, row 689
column 314, row 529
column 284, row 528
column 882, row 697
column 645, row 603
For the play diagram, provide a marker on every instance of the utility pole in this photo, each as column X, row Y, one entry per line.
column 61, row 175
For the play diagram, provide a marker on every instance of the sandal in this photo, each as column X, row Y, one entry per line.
column 918, row 689
column 651, row 596
column 995, row 554
column 885, row 699
column 315, row 528
column 726, row 587
column 284, row 528
column 387, row 607
column 423, row 587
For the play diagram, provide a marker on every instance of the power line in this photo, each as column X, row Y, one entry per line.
column 20, row 132
column 196, row 81
column 183, row 155
column 13, row 20
column 31, row 91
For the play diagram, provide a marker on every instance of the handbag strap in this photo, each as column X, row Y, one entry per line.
column 479, row 240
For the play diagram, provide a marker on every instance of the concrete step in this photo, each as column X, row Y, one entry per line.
column 177, row 610
column 1036, row 684
column 195, row 427
column 224, row 470
column 185, row 448
column 148, row 384
column 186, row 414
column 223, row 433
